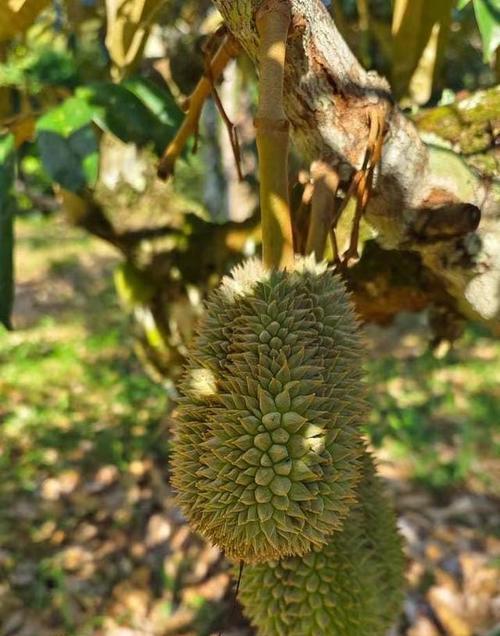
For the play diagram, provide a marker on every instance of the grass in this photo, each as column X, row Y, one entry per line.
column 73, row 400
column 442, row 415
column 67, row 388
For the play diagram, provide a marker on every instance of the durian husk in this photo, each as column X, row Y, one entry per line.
column 266, row 452
column 353, row 586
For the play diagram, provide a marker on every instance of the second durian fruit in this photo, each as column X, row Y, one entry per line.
column 351, row 587
column 266, row 454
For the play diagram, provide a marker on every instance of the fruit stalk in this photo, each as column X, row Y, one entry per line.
column 273, row 21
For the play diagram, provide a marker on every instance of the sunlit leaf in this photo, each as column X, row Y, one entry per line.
column 68, row 145
column 7, row 174
column 488, row 19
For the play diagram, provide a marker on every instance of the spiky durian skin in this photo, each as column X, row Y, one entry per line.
column 353, row 586
column 267, row 446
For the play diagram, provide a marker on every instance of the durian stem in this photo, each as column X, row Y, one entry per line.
column 326, row 182
column 228, row 49
column 273, row 21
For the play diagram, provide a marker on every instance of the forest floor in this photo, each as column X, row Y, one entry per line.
column 91, row 543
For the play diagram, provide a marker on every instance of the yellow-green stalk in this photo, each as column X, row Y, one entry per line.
column 273, row 21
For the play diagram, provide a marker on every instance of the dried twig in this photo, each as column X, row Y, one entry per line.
column 227, row 50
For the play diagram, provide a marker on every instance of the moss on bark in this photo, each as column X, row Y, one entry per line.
column 471, row 126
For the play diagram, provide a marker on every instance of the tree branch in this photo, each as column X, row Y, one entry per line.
column 425, row 199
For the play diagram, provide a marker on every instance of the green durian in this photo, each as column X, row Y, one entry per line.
column 353, row 586
column 266, row 453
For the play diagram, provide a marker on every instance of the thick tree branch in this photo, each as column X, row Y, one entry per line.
column 425, row 199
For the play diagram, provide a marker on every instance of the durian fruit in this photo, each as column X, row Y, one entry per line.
column 266, row 453
column 351, row 587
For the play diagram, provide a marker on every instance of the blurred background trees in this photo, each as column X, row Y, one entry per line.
column 98, row 256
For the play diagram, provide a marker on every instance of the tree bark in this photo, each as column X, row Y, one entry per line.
column 469, row 126
column 425, row 198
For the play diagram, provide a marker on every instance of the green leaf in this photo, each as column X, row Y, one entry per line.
column 462, row 4
column 488, row 19
column 119, row 111
column 158, row 99
column 68, row 145
column 7, row 164
column 7, row 207
column 50, row 67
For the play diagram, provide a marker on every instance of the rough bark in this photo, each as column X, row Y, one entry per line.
column 425, row 198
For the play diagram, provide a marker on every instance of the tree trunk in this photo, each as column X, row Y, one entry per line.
column 426, row 199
